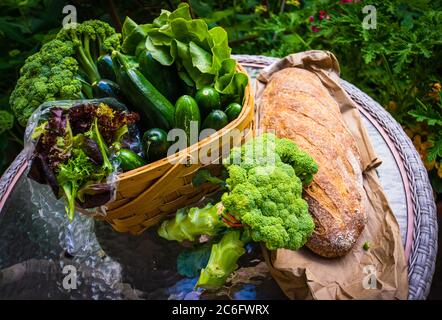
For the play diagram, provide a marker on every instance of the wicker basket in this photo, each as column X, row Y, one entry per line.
column 147, row 194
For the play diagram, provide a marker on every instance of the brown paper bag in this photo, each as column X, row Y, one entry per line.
column 377, row 273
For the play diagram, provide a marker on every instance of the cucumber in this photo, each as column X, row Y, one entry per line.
column 154, row 109
column 233, row 110
column 106, row 68
column 129, row 160
column 217, row 120
column 164, row 78
column 186, row 111
column 155, row 144
column 106, row 88
column 208, row 99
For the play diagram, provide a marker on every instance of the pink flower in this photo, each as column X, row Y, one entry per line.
column 345, row 1
column 311, row 19
column 314, row 28
column 322, row 14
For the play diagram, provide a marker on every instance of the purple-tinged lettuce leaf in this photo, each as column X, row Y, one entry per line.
column 41, row 172
column 92, row 150
column 95, row 195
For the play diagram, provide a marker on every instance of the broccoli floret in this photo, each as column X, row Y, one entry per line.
column 91, row 39
column 269, row 203
column 304, row 165
column 265, row 192
column 53, row 72
column 222, row 262
column 47, row 75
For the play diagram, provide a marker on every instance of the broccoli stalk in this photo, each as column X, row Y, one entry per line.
column 189, row 224
column 91, row 39
column 222, row 262
column 85, row 59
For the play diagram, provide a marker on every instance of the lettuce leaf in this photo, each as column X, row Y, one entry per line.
column 202, row 56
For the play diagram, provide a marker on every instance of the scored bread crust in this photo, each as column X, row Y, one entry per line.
column 297, row 106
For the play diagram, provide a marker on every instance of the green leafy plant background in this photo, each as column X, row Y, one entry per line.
column 399, row 63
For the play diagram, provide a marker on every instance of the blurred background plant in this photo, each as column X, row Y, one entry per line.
column 399, row 63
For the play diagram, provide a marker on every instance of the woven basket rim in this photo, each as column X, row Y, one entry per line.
column 248, row 94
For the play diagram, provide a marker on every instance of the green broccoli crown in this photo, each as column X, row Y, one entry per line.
column 265, row 193
column 97, row 31
column 263, row 203
column 52, row 73
column 46, row 76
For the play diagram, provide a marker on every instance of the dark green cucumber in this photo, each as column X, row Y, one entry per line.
column 164, row 78
column 233, row 110
column 208, row 99
column 106, row 88
column 154, row 109
column 155, row 144
column 186, row 111
column 106, row 68
column 129, row 160
column 217, row 120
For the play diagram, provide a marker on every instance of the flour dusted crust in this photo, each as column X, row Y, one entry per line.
column 297, row 106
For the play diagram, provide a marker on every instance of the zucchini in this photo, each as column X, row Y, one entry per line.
column 155, row 144
column 106, row 68
column 106, row 88
column 129, row 160
column 217, row 120
column 186, row 111
column 154, row 109
column 233, row 110
column 208, row 99
column 164, row 78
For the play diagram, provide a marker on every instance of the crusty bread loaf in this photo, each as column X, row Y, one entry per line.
column 297, row 106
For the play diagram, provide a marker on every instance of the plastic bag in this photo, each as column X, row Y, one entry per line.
column 92, row 197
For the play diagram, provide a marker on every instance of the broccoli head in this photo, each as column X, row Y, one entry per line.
column 55, row 72
column 265, row 192
column 263, row 203
column 46, row 76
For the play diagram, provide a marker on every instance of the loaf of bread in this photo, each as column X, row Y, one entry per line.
column 297, row 106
